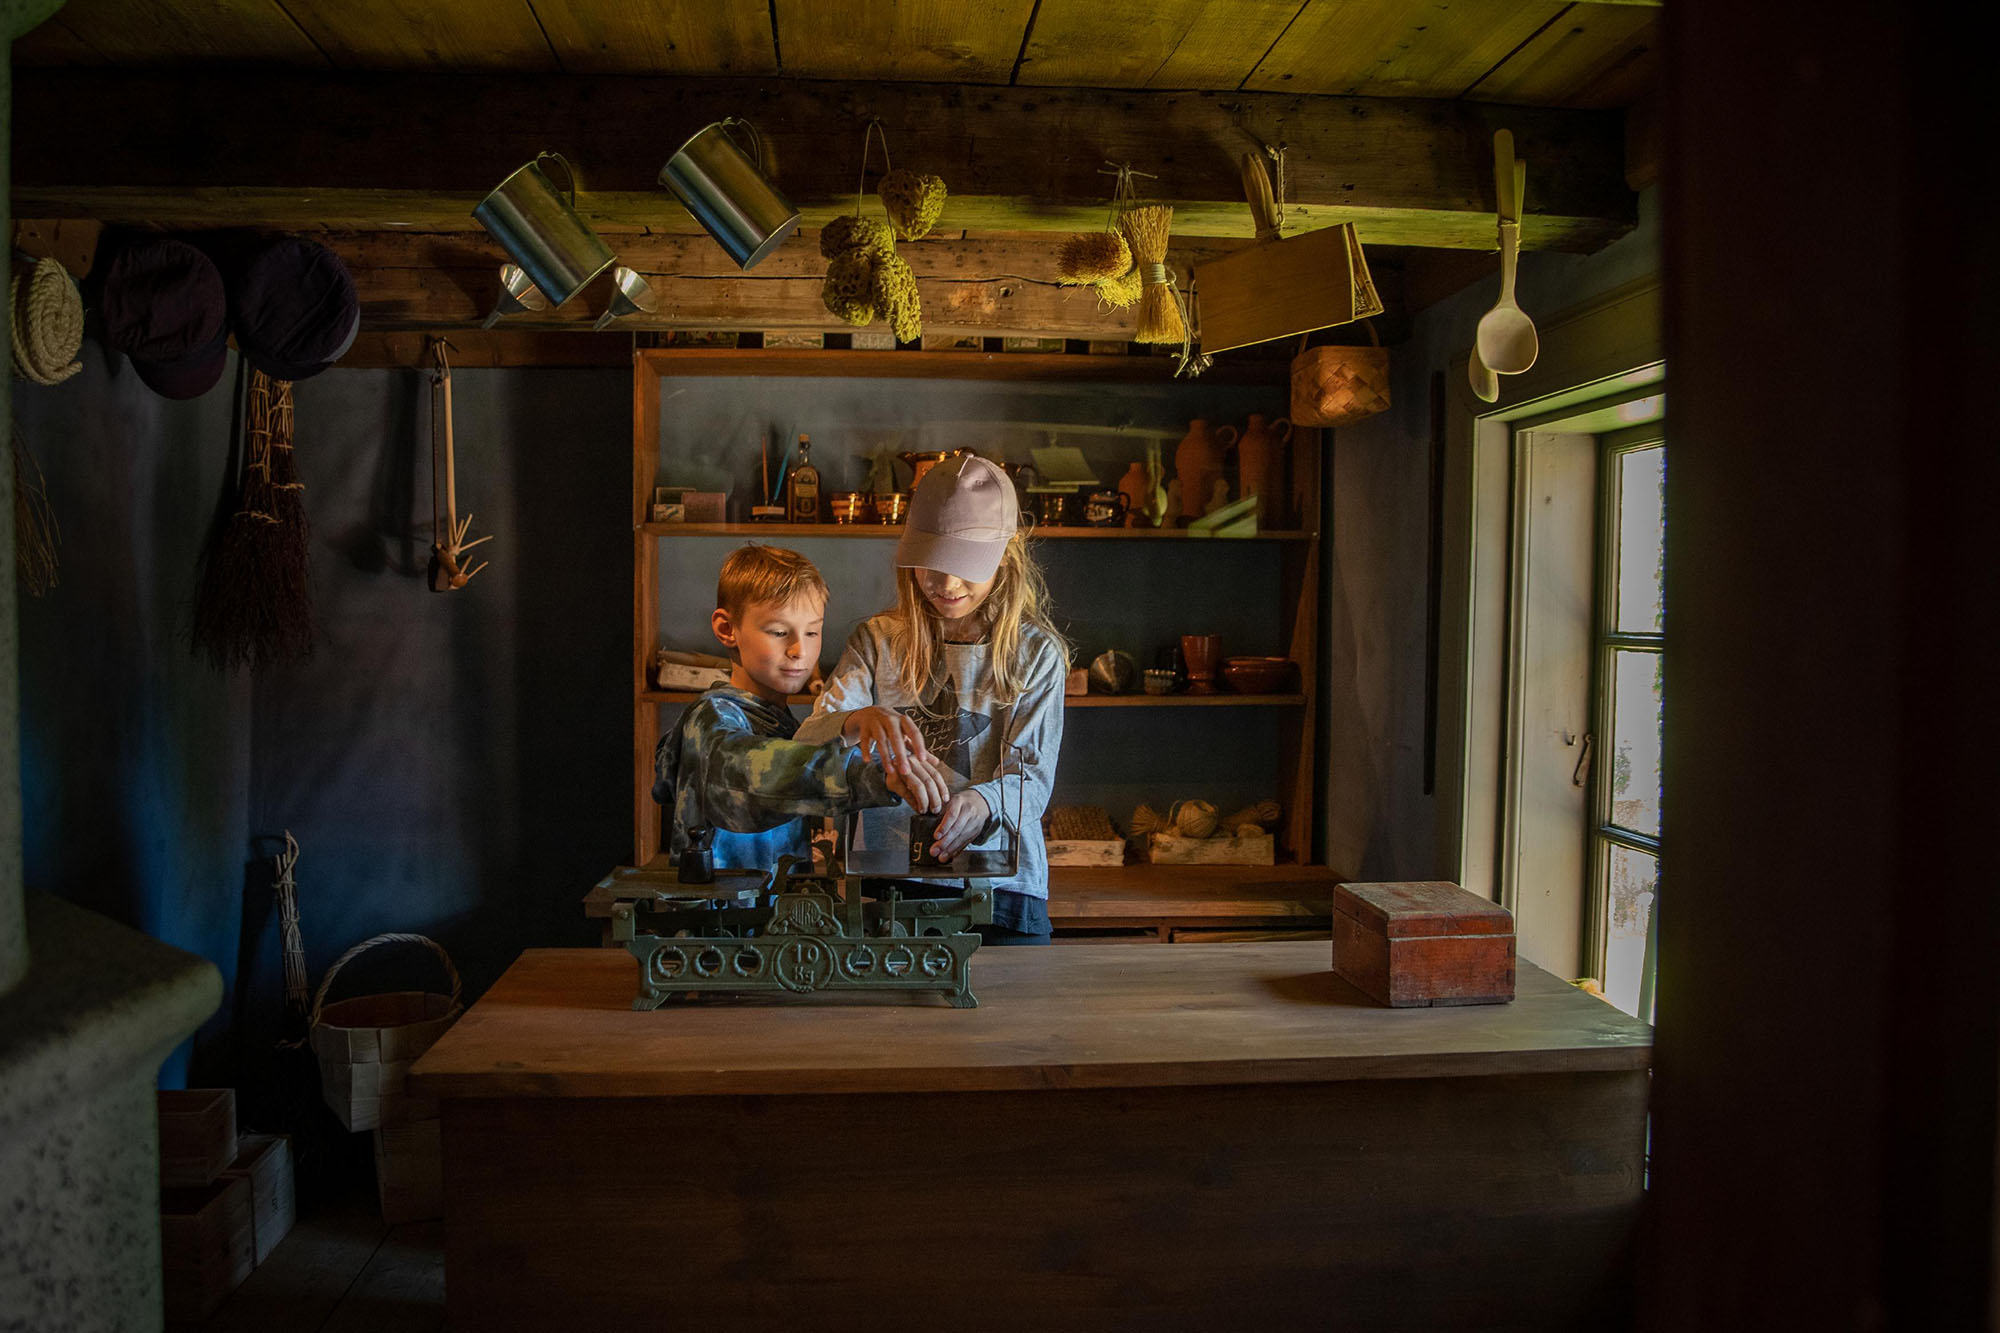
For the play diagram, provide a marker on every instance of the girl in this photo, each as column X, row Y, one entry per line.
column 959, row 689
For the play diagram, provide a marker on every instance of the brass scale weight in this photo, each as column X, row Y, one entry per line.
column 697, row 930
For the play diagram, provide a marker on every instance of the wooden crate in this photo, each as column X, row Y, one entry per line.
column 409, row 1171
column 1086, row 851
column 1423, row 943
column 207, row 1246
column 265, row 1160
column 1171, row 849
column 197, row 1134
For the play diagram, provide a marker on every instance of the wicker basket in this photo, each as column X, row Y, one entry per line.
column 1337, row 386
column 366, row 1045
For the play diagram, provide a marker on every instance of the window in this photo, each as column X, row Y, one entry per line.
column 1628, row 713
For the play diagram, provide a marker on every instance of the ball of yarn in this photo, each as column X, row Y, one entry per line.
column 849, row 290
column 1093, row 256
column 850, row 232
column 896, row 298
column 914, row 201
column 1192, row 819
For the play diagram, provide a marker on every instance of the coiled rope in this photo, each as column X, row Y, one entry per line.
column 48, row 325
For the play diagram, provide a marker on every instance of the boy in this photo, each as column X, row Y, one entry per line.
column 731, row 764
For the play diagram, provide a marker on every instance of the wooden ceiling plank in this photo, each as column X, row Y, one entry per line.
column 1151, row 43
column 1398, row 48
column 50, row 43
column 417, row 152
column 179, row 32
column 943, row 41
column 1596, row 55
column 646, row 37
column 434, row 35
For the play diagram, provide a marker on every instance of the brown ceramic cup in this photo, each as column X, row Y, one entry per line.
column 1202, row 651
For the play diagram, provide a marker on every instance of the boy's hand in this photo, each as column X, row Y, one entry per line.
column 925, row 785
column 885, row 736
column 964, row 815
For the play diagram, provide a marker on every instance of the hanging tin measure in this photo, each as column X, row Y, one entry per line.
column 540, row 230
column 729, row 194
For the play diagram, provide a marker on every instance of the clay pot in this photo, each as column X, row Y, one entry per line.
column 1133, row 486
column 1260, row 467
column 1198, row 464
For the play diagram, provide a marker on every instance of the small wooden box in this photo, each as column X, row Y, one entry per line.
column 1173, row 849
column 1424, row 943
column 197, row 1134
column 265, row 1160
column 206, row 1246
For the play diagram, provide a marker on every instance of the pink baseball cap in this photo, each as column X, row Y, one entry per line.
column 962, row 516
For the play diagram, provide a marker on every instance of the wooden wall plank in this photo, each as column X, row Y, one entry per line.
column 1151, row 43
column 1396, row 48
column 435, row 35
column 645, row 37
column 418, row 151
column 946, row 41
column 1596, row 55
column 172, row 34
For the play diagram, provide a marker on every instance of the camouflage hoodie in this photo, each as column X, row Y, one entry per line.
column 732, row 763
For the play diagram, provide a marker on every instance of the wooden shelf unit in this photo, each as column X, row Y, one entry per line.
column 879, row 530
column 1298, row 557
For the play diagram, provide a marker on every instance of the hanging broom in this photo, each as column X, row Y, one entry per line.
column 249, row 608
column 293, row 549
column 1160, row 318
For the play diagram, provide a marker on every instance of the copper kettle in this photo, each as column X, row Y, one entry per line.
column 921, row 463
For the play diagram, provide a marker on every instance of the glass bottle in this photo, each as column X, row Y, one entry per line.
column 802, row 487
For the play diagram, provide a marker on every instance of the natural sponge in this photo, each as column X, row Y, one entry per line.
column 849, row 291
column 848, row 232
column 896, row 298
column 914, row 201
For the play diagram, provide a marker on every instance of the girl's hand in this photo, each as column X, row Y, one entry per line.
column 925, row 785
column 964, row 815
column 886, row 736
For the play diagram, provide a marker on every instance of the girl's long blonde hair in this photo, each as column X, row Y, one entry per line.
column 1019, row 596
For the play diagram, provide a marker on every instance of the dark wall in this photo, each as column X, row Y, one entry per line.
column 454, row 765
column 1824, row 1111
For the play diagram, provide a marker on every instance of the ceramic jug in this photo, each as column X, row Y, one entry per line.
column 1198, row 463
column 1260, row 466
column 1134, row 486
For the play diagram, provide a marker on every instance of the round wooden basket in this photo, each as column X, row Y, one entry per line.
column 366, row 1045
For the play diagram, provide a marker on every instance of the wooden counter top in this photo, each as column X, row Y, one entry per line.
column 558, row 1024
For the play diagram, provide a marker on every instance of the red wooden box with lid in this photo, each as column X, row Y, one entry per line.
column 1423, row 943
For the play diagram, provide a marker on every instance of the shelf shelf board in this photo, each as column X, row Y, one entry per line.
column 880, row 530
column 1072, row 701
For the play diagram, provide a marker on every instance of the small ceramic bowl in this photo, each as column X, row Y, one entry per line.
column 1159, row 680
column 1258, row 675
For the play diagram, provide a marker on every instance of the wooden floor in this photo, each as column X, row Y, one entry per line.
column 343, row 1270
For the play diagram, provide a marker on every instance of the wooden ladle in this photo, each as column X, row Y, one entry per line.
column 1507, row 342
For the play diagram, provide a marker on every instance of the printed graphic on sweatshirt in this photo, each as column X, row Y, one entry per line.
column 950, row 732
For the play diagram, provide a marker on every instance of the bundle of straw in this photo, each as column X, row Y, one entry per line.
column 35, row 532
column 1160, row 319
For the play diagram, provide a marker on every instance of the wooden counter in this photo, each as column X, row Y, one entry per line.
column 1196, row 1137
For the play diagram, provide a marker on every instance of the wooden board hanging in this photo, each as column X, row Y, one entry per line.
column 1282, row 288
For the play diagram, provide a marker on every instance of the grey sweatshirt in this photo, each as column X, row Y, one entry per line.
column 971, row 736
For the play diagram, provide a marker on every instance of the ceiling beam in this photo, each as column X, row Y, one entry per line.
column 990, row 286
column 382, row 152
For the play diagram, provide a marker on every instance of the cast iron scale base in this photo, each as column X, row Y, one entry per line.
column 754, row 932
